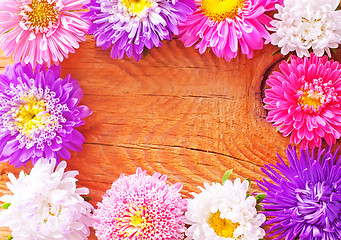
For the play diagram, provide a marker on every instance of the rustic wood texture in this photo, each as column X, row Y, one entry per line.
column 176, row 112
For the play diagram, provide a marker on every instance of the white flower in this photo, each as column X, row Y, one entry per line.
column 224, row 212
column 46, row 204
column 307, row 24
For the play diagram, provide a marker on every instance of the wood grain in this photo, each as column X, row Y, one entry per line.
column 176, row 112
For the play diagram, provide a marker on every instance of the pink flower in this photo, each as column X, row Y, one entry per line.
column 141, row 207
column 36, row 31
column 222, row 24
column 304, row 100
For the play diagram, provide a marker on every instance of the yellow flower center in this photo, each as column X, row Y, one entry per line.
column 30, row 116
column 136, row 6
column 138, row 224
column 43, row 13
column 316, row 95
column 136, row 221
column 312, row 99
column 219, row 10
column 222, row 227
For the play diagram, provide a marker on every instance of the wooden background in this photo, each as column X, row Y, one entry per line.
column 177, row 112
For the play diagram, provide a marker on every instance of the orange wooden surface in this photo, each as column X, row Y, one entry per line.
column 176, row 112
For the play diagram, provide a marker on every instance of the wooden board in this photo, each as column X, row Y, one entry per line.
column 176, row 112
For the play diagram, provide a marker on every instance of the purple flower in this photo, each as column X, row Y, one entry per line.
column 304, row 198
column 39, row 111
column 131, row 25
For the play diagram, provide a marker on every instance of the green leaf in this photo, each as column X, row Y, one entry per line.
column 277, row 128
column 227, row 175
column 260, row 197
column 86, row 198
column 278, row 51
column 259, row 207
column 9, row 237
column 288, row 59
column 248, row 195
column 249, row 180
column 6, row 205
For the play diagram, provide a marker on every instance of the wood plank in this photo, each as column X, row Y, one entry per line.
column 177, row 112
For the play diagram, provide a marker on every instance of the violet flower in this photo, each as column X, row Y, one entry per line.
column 39, row 113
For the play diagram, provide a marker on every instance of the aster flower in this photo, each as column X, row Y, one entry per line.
column 38, row 31
column 224, row 212
column 303, row 198
column 139, row 207
column 224, row 25
column 39, row 111
column 304, row 100
column 46, row 204
column 129, row 26
column 302, row 25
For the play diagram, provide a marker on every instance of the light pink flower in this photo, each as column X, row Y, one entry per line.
column 221, row 25
column 38, row 31
column 141, row 207
column 304, row 100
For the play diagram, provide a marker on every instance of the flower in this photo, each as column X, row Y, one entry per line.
column 222, row 24
column 304, row 197
column 304, row 100
column 36, row 31
column 139, row 207
column 224, row 212
column 38, row 114
column 302, row 25
column 46, row 204
column 132, row 25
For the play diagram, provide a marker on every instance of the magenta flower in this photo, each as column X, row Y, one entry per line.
column 139, row 207
column 38, row 31
column 38, row 114
column 221, row 25
column 304, row 100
